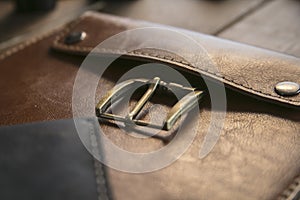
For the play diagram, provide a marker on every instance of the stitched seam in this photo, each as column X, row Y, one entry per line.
column 13, row 50
column 79, row 48
column 25, row 44
column 98, row 168
column 215, row 74
column 286, row 194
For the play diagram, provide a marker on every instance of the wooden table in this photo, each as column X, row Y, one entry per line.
column 272, row 24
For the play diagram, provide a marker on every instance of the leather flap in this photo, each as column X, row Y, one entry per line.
column 248, row 69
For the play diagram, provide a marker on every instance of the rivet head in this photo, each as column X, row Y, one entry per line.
column 75, row 37
column 287, row 88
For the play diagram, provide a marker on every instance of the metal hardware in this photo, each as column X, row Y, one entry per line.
column 183, row 106
column 75, row 37
column 287, row 88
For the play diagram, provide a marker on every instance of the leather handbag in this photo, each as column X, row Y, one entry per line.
column 255, row 155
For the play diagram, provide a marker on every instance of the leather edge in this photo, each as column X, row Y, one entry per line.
column 291, row 191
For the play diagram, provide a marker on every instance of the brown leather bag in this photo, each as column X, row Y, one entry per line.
column 258, row 153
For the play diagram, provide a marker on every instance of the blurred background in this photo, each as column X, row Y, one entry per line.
column 272, row 24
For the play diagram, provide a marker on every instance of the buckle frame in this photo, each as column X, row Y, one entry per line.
column 184, row 105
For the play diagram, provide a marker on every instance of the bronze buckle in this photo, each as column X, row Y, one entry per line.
column 183, row 106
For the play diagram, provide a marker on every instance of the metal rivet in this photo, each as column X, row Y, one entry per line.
column 75, row 37
column 287, row 88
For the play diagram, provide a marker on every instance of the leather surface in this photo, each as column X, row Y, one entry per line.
column 256, row 157
column 47, row 161
column 248, row 69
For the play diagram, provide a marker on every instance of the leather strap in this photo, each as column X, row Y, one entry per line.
column 250, row 70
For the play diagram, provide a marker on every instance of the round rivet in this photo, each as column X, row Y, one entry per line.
column 287, row 88
column 75, row 37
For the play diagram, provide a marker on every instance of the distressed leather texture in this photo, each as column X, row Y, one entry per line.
column 258, row 153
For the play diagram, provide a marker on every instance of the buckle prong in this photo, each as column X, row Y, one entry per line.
column 141, row 103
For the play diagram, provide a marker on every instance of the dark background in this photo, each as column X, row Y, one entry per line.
column 272, row 24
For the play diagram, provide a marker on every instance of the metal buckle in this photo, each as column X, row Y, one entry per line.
column 183, row 106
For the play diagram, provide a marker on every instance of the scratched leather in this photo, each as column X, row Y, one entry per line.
column 256, row 157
